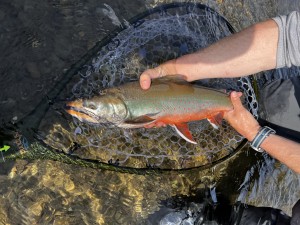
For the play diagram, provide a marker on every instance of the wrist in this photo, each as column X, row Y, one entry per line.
column 251, row 133
column 260, row 138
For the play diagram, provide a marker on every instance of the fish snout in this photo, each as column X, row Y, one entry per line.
column 74, row 104
column 77, row 109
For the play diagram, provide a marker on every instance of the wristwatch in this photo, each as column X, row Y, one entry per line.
column 262, row 134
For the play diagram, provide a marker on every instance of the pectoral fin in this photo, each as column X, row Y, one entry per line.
column 137, row 122
column 184, row 132
column 216, row 120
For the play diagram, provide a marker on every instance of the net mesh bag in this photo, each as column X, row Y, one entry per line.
column 149, row 39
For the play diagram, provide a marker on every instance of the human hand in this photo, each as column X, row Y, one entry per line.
column 167, row 68
column 241, row 119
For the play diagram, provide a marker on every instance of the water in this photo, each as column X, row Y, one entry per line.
column 41, row 41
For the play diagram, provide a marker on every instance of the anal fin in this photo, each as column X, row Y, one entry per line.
column 216, row 120
column 184, row 132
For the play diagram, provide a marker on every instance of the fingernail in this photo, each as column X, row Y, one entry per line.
column 234, row 94
column 144, row 84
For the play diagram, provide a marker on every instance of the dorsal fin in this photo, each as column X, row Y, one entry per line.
column 178, row 79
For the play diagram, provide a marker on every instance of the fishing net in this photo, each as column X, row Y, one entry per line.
column 149, row 39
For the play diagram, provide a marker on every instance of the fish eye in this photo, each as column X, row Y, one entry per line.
column 90, row 105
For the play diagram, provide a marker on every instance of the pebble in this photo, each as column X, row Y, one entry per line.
column 81, row 34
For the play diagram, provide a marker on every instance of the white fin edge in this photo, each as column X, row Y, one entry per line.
column 213, row 124
column 132, row 126
column 183, row 136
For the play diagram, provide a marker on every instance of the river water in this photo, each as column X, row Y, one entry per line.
column 40, row 41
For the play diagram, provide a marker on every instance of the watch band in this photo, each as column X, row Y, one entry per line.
column 263, row 133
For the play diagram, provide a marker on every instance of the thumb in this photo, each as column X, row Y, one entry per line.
column 146, row 76
column 236, row 101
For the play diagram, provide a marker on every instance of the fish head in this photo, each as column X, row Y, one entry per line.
column 98, row 109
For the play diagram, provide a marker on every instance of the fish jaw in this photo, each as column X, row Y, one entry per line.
column 81, row 116
column 76, row 109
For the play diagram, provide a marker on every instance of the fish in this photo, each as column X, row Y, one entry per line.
column 170, row 100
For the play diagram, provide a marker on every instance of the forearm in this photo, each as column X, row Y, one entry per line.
column 283, row 149
column 286, row 151
column 244, row 53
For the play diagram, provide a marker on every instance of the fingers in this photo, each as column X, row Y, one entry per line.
column 145, row 81
column 236, row 101
column 167, row 68
column 145, row 78
column 237, row 105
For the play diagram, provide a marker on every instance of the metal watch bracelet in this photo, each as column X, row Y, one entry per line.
column 263, row 133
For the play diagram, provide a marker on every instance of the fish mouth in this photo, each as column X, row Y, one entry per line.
column 77, row 110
